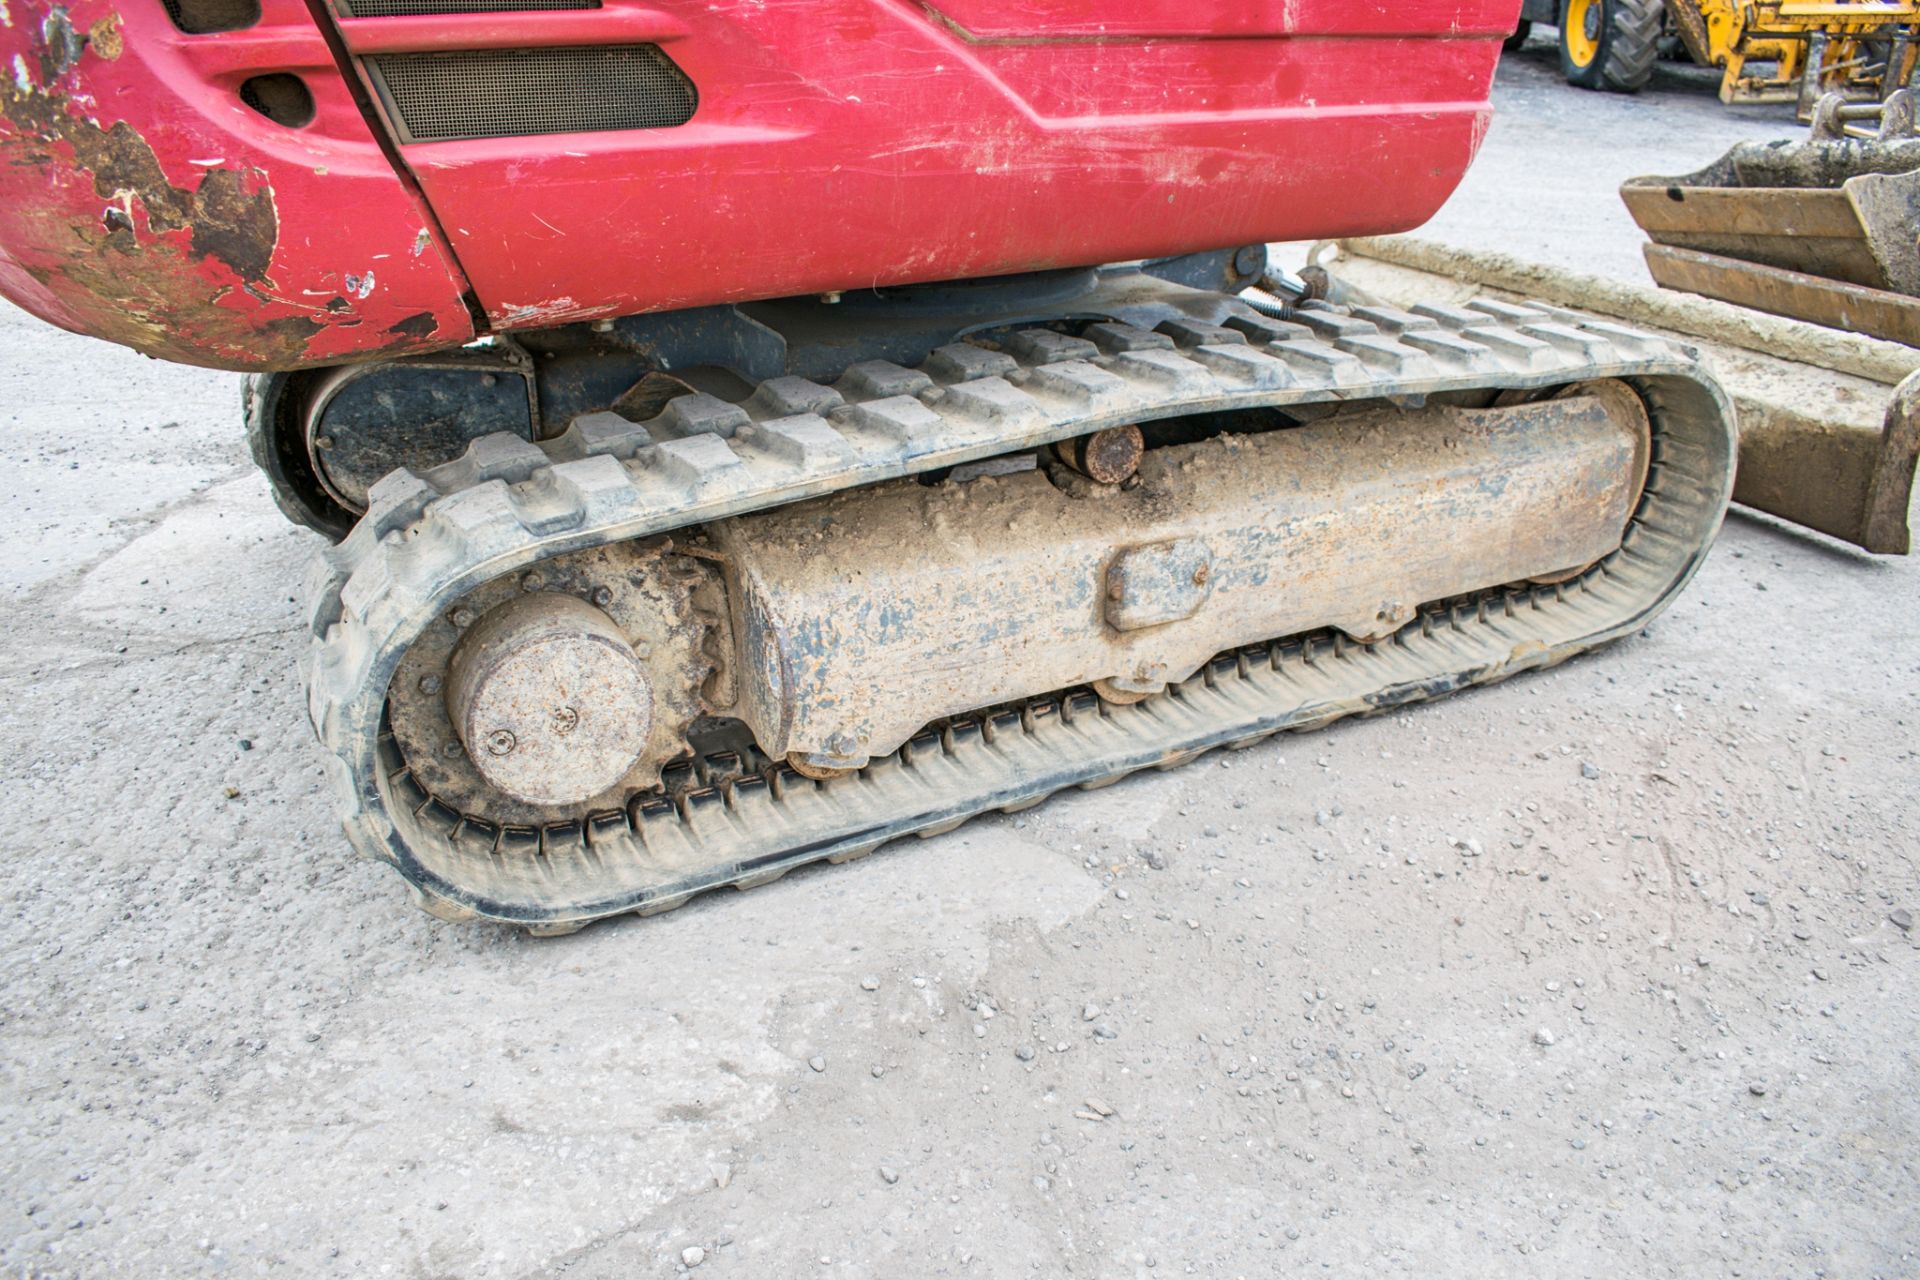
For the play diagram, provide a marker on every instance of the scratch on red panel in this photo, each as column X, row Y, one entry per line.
column 552, row 311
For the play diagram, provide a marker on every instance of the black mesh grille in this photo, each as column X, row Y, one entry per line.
column 501, row 93
column 408, row 8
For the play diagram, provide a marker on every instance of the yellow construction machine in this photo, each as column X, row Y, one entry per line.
column 1767, row 50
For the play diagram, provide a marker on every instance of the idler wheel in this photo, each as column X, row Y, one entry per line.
column 549, row 699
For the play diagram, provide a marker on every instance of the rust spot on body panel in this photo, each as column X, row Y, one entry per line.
column 158, row 256
column 104, row 38
column 237, row 226
column 142, row 203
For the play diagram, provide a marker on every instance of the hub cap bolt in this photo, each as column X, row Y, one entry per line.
column 429, row 685
column 603, row 596
column 500, row 742
column 461, row 618
column 532, row 581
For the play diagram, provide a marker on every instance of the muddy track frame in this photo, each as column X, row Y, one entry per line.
column 506, row 504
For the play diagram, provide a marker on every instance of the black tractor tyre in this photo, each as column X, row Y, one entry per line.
column 1519, row 37
column 1620, row 40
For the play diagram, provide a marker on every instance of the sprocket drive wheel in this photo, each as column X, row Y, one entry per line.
column 652, row 595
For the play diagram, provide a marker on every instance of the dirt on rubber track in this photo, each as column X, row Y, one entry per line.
column 1604, row 971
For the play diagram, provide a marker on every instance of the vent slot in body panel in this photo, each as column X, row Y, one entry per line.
column 203, row 17
column 430, row 8
column 503, row 93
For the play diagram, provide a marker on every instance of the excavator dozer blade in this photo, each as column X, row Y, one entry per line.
column 1829, row 421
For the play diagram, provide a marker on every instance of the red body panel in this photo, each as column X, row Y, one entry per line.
column 141, row 201
column 984, row 20
column 838, row 144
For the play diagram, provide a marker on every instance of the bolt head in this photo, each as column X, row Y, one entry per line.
column 532, row 580
column 602, row 596
column 462, row 618
column 430, row 685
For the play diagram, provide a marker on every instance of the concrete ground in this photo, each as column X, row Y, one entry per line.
column 1409, row 996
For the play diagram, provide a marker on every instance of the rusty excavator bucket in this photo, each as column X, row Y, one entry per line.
column 1820, row 230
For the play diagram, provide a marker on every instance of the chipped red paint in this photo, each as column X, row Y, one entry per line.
column 143, row 202
column 838, row 144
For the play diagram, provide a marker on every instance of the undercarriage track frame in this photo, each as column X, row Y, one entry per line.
column 507, row 503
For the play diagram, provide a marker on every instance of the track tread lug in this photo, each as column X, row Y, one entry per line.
column 1172, row 374
column 1089, row 388
column 1513, row 346
column 395, row 501
column 787, row 396
column 1113, row 338
column 1320, row 363
column 1449, row 348
column 1507, row 312
column 694, row 462
column 1449, row 317
column 805, row 441
column 1265, row 330
column 963, row 362
column 902, row 421
column 1573, row 342
column 997, row 401
column 1331, row 325
column 1243, row 367
column 1395, row 321
column 498, row 456
column 596, row 434
column 1192, row 333
column 1387, row 355
column 1044, row 346
column 698, row 415
column 879, row 379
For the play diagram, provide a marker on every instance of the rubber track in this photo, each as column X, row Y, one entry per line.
column 429, row 538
